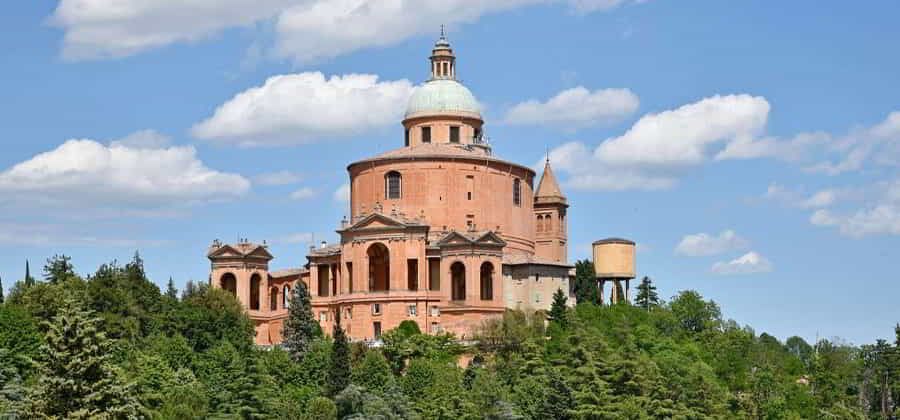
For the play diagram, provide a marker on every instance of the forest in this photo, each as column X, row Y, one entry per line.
column 113, row 345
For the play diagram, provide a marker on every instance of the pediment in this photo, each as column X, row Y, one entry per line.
column 454, row 238
column 224, row 251
column 377, row 221
column 490, row 238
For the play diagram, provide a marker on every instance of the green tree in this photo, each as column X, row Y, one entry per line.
column 558, row 309
column 693, row 313
column 1, row 290
column 208, row 317
column 321, row 408
column 586, row 290
column 58, row 269
column 19, row 337
column 339, row 370
column 78, row 379
column 300, row 327
column 647, row 297
column 29, row 281
column 373, row 373
column 12, row 391
column 171, row 291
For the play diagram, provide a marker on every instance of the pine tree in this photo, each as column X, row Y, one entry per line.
column 29, row 281
column 339, row 371
column 300, row 327
column 58, row 269
column 78, row 379
column 171, row 291
column 647, row 297
column 558, row 308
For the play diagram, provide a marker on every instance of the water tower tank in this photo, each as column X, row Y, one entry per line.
column 614, row 258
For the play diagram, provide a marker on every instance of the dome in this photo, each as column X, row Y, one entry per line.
column 442, row 96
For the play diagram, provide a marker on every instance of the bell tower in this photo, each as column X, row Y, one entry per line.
column 550, row 223
column 443, row 62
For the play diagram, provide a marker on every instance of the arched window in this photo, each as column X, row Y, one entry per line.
column 548, row 223
column 228, row 283
column 487, row 281
column 286, row 297
column 540, row 223
column 273, row 299
column 458, row 281
column 379, row 268
column 392, row 185
column 517, row 192
column 254, row 291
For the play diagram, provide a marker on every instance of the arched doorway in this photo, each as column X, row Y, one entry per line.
column 458, row 281
column 487, row 281
column 379, row 268
column 255, row 281
column 273, row 299
column 228, row 283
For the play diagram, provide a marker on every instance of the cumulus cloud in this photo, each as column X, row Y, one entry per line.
column 576, row 107
column 879, row 216
column 306, row 107
column 658, row 147
column 303, row 194
column 305, row 30
column 704, row 244
column 277, row 178
column 819, row 199
column 749, row 263
column 86, row 173
column 342, row 194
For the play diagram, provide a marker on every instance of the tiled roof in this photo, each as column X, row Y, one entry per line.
column 523, row 259
column 288, row 272
column 548, row 187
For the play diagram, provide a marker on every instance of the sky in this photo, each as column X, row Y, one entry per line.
column 750, row 148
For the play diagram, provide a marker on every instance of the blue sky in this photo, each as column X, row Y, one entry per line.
column 748, row 147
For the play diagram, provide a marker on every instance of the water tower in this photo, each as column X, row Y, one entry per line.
column 614, row 262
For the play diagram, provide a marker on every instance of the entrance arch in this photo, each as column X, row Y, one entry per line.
column 379, row 268
column 487, row 281
column 228, row 283
column 458, row 281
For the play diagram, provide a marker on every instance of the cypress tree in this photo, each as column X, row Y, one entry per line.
column 171, row 291
column 558, row 308
column 646, row 297
column 339, row 371
column 300, row 327
column 29, row 281
column 586, row 290
column 1, row 290
column 78, row 379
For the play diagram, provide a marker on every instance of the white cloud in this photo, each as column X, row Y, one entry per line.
column 305, row 30
column 820, row 199
column 117, row 28
column 704, row 244
column 881, row 216
column 277, row 178
column 306, row 107
column 143, row 139
column 342, row 194
column 749, row 263
column 576, row 107
column 88, row 174
column 658, row 147
column 303, row 194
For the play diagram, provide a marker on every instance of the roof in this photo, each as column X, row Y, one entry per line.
column 442, row 96
column 240, row 249
column 548, row 187
column 614, row 241
column 288, row 272
column 485, row 237
column 327, row 250
column 525, row 259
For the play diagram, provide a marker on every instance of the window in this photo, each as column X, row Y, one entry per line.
column 286, row 297
column 376, row 309
column 412, row 274
column 350, row 277
column 376, row 329
column 411, row 310
column 477, row 136
column 273, row 299
column 323, row 280
column 487, row 281
column 454, row 134
column 426, row 134
column 434, row 274
column 323, row 316
column 470, row 186
column 540, row 223
column 446, row 71
column 393, row 184
column 255, row 283
column 458, row 281
column 348, row 313
column 435, row 327
column 406, row 137
column 517, row 192
column 435, row 311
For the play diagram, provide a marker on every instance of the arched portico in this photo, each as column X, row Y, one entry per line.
column 228, row 283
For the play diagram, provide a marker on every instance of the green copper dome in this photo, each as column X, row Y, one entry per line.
column 439, row 96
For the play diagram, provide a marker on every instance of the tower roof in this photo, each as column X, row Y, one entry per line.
column 548, row 187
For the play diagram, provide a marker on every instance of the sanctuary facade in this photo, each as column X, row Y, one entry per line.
column 441, row 231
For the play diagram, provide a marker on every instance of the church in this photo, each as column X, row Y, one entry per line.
column 441, row 232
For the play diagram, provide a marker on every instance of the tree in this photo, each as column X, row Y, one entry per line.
column 586, row 283
column 300, row 327
column 373, row 373
column 321, row 408
column 558, row 309
column 1, row 290
column 693, row 313
column 58, row 269
column 171, row 291
column 78, row 380
column 339, row 370
column 647, row 297
column 29, row 281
